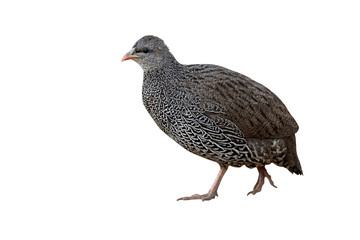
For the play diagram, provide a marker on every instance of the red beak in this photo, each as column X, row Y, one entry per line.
column 129, row 55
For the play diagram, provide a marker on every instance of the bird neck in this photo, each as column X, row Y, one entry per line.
column 167, row 70
column 166, row 62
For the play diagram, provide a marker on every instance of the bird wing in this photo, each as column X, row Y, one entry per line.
column 220, row 93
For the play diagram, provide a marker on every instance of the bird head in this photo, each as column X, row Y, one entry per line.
column 150, row 52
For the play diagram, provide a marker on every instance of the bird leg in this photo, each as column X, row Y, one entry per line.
column 260, row 182
column 213, row 190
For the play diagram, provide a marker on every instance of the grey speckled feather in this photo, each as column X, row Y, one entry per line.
column 214, row 112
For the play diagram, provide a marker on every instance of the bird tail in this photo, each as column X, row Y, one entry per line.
column 291, row 160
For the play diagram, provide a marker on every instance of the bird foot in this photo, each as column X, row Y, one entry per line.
column 213, row 190
column 253, row 192
column 270, row 180
column 204, row 197
column 260, row 182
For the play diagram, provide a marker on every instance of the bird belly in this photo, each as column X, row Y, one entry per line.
column 204, row 137
column 266, row 151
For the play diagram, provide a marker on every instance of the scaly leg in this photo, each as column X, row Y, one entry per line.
column 260, row 182
column 213, row 190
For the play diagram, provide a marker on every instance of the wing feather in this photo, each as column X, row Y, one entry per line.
column 224, row 94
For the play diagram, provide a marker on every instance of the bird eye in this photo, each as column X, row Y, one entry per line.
column 145, row 50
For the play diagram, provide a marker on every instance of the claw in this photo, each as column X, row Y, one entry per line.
column 252, row 192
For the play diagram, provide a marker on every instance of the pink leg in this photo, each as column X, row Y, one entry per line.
column 213, row 190
column 260, row 182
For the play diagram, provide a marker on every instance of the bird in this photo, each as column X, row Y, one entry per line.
column 216, row 113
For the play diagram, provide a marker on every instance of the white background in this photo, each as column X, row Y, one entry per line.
column 80, row 158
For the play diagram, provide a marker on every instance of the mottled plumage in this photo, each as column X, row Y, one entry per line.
column 216, row 113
